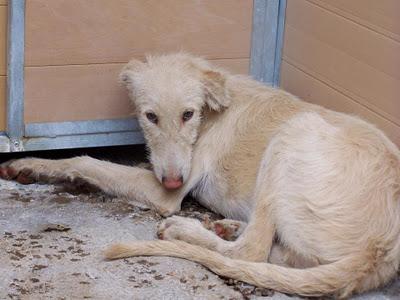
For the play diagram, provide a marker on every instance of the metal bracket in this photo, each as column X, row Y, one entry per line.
column 16, row 145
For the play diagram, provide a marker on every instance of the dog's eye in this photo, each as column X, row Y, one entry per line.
column 187, row 115
column 152, row 117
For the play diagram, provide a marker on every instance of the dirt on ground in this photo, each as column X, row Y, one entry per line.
column 51, row 243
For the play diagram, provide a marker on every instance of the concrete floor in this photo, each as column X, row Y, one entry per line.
column 51, row 240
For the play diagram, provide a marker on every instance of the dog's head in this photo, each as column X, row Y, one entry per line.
column 170, row 93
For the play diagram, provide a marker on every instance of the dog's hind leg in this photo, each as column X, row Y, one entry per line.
column 256, row 241
column 130, row 182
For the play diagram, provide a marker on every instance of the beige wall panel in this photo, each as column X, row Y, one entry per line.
column 3, row 40
column 357, row 79
column 70, row 93
column 3, row 91
column 3, row 2
column 313, row 90
column 84, row 92
column 60, row 32
column 378, row 51
column 379, row 15
column 236, row 66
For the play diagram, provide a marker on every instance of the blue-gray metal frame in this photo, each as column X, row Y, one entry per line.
column 265, row 61
column 84, row 140
column 15, row 73
column 53, row 129
column 267, row 40
column 82, row 134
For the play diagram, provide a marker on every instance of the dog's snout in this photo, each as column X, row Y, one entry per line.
column 172, row 183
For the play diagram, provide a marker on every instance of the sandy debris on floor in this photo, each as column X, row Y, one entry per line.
column 51, row 243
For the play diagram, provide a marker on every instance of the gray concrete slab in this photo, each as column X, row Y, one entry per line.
column 42, row 261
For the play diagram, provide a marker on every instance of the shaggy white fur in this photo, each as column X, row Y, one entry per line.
column 319, row 189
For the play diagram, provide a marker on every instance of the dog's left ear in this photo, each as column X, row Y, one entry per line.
column 216, row 93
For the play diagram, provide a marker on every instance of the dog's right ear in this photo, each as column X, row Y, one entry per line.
column 127, row 75
column 216, row 93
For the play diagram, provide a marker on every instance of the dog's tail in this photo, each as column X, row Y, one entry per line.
column 341, row 277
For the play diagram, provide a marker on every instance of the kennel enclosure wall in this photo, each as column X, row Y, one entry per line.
column 59, row 68
column 64, row 57
column 345, row 55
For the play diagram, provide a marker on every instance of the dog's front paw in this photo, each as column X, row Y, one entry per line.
column 21, row 170
column 176, row 228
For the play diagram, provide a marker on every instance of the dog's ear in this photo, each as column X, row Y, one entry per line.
column 126, row 77
column 216, row 93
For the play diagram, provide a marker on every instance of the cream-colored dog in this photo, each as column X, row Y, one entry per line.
column 320, row 190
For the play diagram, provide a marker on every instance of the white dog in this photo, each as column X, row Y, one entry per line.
column 320, row 190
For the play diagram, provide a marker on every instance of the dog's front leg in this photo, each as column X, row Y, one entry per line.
column 130, row 182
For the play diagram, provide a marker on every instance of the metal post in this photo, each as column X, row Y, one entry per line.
column 15, row 74
column 267, row 40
